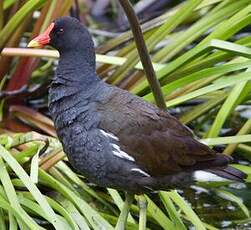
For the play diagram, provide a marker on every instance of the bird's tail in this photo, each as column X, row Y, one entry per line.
column 229, row 173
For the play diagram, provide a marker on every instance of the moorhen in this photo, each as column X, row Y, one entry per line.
column 112, row 137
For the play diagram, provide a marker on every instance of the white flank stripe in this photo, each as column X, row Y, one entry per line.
column 118, row 152
column 140, row 171
column 204, row 176
column 109, row 135
column 116, row 147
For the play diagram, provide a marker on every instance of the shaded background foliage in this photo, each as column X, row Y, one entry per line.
column 201, row 53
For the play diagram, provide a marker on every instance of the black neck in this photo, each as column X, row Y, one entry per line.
column 74, row 83
column 80, row 55
column 75, row 68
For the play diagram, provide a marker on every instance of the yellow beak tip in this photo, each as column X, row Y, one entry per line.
column 34, row 44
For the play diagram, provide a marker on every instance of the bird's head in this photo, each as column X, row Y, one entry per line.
column 70, row 38
column 64, row 34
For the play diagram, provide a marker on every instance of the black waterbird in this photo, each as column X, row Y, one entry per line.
column 112, row 137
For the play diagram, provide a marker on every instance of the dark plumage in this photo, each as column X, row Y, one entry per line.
column 114, row 138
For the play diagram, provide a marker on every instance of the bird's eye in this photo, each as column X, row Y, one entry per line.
column 60, row 31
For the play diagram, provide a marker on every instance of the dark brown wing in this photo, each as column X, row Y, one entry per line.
column 160, row 144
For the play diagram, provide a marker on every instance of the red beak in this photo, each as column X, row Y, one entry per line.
column 42, row 39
